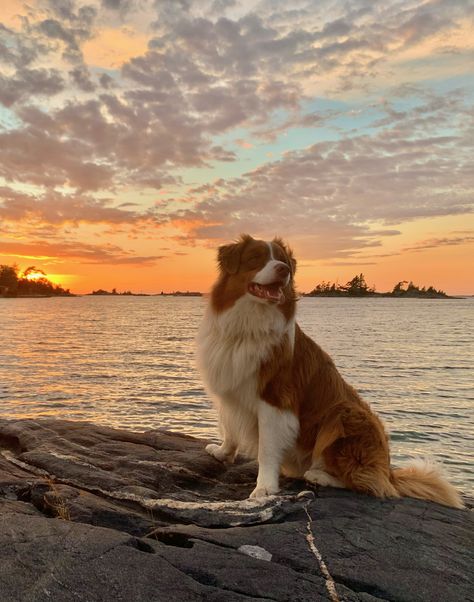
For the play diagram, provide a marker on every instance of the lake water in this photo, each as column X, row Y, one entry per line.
column 129, row 362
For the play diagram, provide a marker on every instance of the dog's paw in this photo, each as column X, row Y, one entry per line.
column 216, row 452
column 263, row 491
column 320, row 477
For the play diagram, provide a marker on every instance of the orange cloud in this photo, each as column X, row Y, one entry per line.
column 11, row 9
column 111, row 48
column 86, row 253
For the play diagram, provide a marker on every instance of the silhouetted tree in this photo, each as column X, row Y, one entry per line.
column 358, row 287
column 8, row 279
column 399, row 289
column 412, row 290
column 33, row 270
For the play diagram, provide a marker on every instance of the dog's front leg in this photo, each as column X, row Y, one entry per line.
column 227, row 450
column 277, row 432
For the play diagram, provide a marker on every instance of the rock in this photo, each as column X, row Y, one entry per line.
column 255, row 552
column 92, row 513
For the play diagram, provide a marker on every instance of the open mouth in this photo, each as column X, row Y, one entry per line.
column 271, row 292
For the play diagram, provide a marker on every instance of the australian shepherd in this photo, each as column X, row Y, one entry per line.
column 279, row 396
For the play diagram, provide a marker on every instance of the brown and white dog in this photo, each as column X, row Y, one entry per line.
column 280, row 397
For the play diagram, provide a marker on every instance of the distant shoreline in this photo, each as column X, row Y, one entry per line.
column 102, row 293
column 197, row 294
column 383, row 295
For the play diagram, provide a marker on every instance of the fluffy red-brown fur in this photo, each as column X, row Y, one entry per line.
column 336, row 425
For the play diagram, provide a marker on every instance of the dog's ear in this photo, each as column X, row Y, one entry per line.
column 289, row 253
column 228, row 256
column 292, row 260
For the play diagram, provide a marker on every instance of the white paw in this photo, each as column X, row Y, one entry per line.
column 320, row 477
column 217, row 452
column 263, row 491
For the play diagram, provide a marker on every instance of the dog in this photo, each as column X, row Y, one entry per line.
column 279, row 396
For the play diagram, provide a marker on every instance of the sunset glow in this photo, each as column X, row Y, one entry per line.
column 35, row 275
column 135, row 139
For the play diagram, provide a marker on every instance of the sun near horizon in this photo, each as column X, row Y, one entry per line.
column 134, row 142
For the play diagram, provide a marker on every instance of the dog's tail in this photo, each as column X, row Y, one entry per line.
column 424, row 479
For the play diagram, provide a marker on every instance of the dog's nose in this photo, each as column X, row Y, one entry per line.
column 282, row 270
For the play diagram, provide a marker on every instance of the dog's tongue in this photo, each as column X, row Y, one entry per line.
column 272, row 292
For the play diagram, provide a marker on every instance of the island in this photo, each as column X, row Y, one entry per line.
column 358, row 287
column 30, row 283
column 94, row 513
column 181, row 294
column 114, row 293
column 34, row 283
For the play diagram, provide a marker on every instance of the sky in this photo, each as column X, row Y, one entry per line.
column 136, row 136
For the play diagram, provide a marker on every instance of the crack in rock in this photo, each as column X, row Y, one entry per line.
column 329, row 581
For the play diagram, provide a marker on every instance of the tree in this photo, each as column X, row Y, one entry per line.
column 399, row 289
column 412, row 289
column 33, row 270
column 357, row 286
column 8, row 279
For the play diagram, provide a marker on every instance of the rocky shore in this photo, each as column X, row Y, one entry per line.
column 90, row 513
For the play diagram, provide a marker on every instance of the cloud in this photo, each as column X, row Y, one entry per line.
column 348, row 263
column 331, row 194
column 84, row 252
column 198, row 79
column 434, row 243
column 115, row 4
column 59, row 209
column 17, row 49
column 202, row 78
column 79, row 147
column 67, row 26
column 30, row 155
column 82, row 78
column 28, row 82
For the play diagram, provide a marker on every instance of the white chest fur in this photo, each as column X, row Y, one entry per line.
column 231, row 348
column 233, row 344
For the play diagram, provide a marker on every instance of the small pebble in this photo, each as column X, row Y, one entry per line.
column 255, row 552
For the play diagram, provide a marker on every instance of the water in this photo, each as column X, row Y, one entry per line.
column 129, row 362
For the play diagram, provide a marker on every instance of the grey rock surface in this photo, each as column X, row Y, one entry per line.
column 91, row 513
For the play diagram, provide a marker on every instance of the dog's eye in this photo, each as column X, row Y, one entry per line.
column 253, row 261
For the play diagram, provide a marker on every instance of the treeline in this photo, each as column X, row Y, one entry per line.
column 114, row 291
column 101, row 291
column 12, row 284
column 411, row 290
column 358, row 287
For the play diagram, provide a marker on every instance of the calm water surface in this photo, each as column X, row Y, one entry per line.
column 129, row 362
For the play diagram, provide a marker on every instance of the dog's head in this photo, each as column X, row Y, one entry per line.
column 262, row 270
